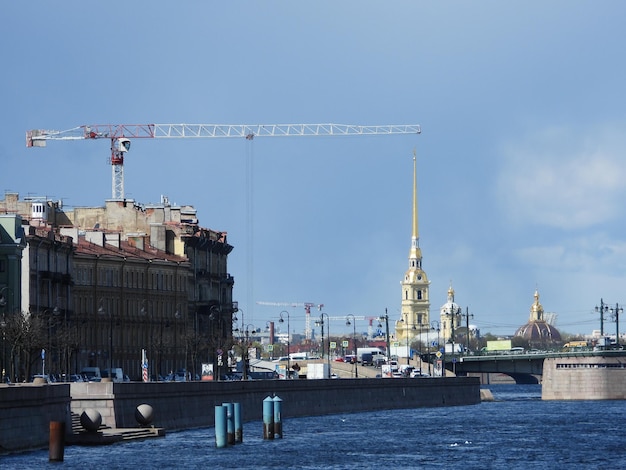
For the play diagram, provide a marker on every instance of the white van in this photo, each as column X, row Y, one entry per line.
column 300, row 356
column 377, row 354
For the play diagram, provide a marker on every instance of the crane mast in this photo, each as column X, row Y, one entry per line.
column 307, row 311
column 120, row 136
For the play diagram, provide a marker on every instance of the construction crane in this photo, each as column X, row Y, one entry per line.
column 307, row 310
column 121, row 135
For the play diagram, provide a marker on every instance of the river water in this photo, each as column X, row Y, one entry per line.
column 517, row 430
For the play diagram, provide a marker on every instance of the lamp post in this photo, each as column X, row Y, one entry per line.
column 453, row 311
column 6, row 306
column 467, row 316
column 215, row 313
column 435, row 326
column 50, row 314
column 386, row 319
column 420, row 344
column 102, row 311
column 247, row 329
column 356, row 371
column 282, row 320
column 615, row 312
column 320, row 322
column 603, row 308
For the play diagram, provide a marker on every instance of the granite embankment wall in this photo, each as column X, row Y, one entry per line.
column 584, row 378
column 185, row 405
column 181, row 405
column 26, row 411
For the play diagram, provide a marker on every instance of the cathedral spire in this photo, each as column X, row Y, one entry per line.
column 415, row 308
column 415, row 255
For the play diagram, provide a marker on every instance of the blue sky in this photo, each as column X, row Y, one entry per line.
column 520, row 161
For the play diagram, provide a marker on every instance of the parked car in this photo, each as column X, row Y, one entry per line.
column 45, row 377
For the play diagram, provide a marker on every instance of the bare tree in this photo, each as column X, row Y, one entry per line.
column 25, row 336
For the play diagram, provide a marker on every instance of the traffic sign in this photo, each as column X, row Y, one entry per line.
column 438, row 354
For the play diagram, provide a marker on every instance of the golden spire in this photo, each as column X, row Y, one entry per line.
column 415, row 231
column 415, row 256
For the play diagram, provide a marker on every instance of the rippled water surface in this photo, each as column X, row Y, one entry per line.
column 518, row 430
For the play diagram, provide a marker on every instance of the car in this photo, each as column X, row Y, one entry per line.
column 41, row 377
column 378, row 362
column 340, row 359
column 416, row 373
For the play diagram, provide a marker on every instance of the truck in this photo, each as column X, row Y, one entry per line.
column 375, row 352
column 458, row 348
column 317, row 371
column 367, row 359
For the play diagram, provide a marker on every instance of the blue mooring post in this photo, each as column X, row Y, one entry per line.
column 268, row 418
column 238, row 422
column 278, row 422
column 230, row 422
column 221, row 427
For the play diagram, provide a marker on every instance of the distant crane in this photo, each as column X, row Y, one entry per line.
column 307, row 310
column 120, row 135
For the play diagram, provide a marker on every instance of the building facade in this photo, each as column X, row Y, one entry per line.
column 106, row 283
column 12, row 245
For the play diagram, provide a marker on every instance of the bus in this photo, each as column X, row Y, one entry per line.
column 575, row 346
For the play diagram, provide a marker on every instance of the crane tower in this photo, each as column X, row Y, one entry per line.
column 307, row 310
column 120, row 136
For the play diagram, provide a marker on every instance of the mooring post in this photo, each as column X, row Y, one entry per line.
column 57, row 441
column 230, row 420
column 238, row 422
column 278, row 424
column 268, row 418
column 221, row 427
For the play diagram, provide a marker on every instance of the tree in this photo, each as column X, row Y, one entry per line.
column 25, row 336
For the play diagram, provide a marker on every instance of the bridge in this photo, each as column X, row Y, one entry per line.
column 523, row 367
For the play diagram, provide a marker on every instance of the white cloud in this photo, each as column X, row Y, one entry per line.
column 558, row 178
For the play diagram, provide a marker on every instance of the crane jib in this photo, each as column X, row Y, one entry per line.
column 37, row 138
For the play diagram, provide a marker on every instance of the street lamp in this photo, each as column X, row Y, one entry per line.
column 320, row 322
column 215, row 313
column 435, row 326
column 615, row 312
column 282, row 320
column 54, row 312
column 247, row 328
column 386, row 318
column 406, row 333
column 602, row 310
column 6, row 306
column 467, row 330
column 356, row 370
column 102, row 311
column 453, row 312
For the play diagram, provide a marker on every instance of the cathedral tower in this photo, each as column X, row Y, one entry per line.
column 415, row 304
